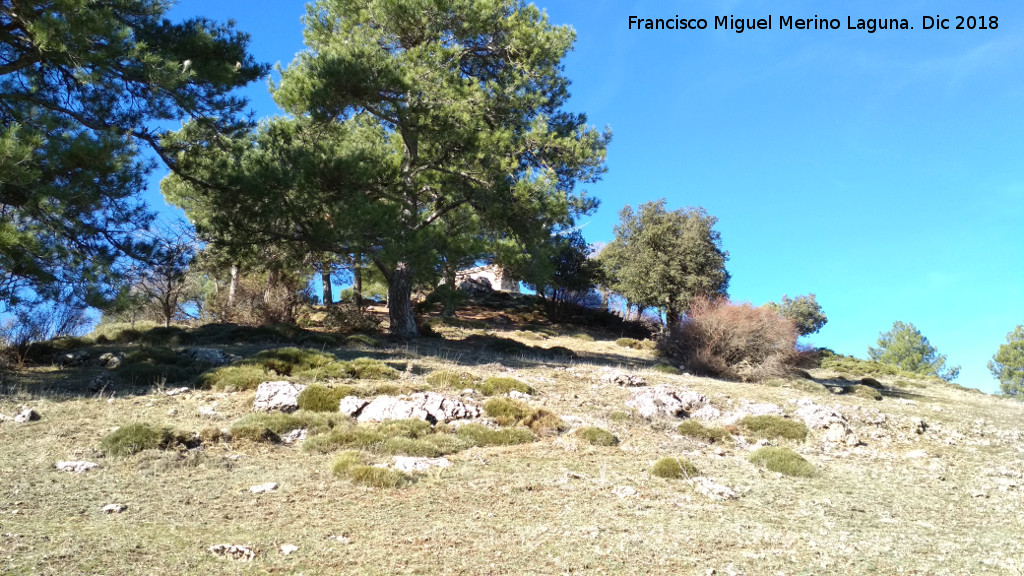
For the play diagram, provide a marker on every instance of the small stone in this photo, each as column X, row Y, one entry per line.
column 518, row 395
column 100, row 383
column 26, row 415
column 208, row 412
column 114, row 508
column 621, row 378
column 287, row 549
column 172, row 412
column 918, row 425
column 624, row 491
column 263, row 488
column 294, row 436
column 342, row 539
column 176, row 391
column 233, row 551
column 110, row 360
column 915, row 454
column 352, row 405
column 76, row 466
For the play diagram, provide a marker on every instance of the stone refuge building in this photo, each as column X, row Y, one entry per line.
column 499, row 278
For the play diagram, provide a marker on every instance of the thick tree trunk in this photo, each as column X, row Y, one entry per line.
column 403, row 321
column 357, row 281
column 233, row 287
column 325, row 275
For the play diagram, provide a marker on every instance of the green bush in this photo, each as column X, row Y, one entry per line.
column 774, row 427
column 331, row 371
column 286, row 361
column 497, row 385
column 666, row 369
column 133, row 438
column 317, row 398
column 674, row 468
column 451, row 380
column 597, row 436
column 695, row 429
column 872, row 383
column 237, row 377
column 782, row 460
column 155, row 366
column 506, row 411
column 858, row 367
column 543, row 422
column 583, row 336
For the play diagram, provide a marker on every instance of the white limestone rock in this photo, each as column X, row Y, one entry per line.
column 279, row 395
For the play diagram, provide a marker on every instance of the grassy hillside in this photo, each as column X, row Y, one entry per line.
column 931, row 488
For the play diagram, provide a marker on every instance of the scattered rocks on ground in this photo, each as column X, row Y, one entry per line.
column 76, row 466
column 110, row 360
column 818, row 417
column 263, row 488
column 763, row 409
column 114, row 508
column 414, row 464
column 712, row 489
column 519, row 395
column 287, row 549
column 429, row 406
column 211, row 356
column 177, row 391
column 650, row 402
column 278, row 395
column 26, row 414
column 621, row 378
column 233, row 551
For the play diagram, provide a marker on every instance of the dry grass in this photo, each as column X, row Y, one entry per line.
column 510, row 503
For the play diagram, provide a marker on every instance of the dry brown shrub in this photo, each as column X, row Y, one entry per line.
column 738, row 341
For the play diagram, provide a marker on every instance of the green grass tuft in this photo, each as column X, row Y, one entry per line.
column 666, row 369
column 362, row 340
column 497, row 385
column 674, row 468
column 479, row 435
column 270, row 426
column 784, row 461
column 598, row 436
column 237, row 377
column 349, row 465
column 452, row 380
column 866, row 392
column 318, row 398
column 628, row 343
column 695, row 429
column 370, row 369
column 774, row 427
column 136, row 437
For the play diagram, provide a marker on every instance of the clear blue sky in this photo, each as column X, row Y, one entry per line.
column 881, row 171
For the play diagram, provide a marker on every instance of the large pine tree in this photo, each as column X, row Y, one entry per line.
column 85, row 88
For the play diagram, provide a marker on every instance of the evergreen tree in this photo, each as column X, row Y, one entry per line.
column 804, row 311
column 906, row 348
column 664, row 259
column 459, row 105
column 84, row 86
column 1007, row 365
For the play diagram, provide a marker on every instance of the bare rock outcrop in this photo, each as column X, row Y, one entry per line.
column 279, row 395
column 650, row 402
column 76, row 466
column 818, row 417
column 429, row 406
